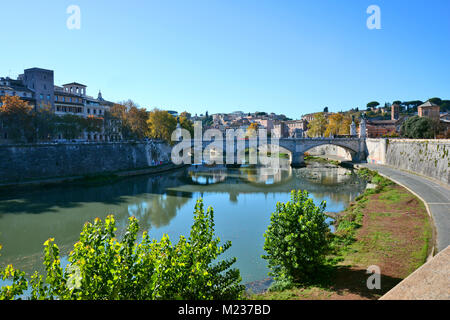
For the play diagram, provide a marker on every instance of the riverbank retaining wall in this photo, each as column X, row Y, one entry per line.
column 428, row 157
column 22, row 163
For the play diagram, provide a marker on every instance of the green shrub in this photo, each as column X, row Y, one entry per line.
column 104, row 268
column 297, row 240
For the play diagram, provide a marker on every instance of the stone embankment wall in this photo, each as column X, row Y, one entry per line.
column 423, row 156
column 428, row 157
column 22, row 163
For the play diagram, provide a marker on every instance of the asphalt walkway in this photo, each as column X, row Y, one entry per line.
column 435, row 195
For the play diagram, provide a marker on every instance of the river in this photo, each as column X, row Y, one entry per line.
column 243, row 200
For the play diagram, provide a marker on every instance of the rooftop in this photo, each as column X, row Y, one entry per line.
column 428, row 104
column 39, row 69
column 74, row 84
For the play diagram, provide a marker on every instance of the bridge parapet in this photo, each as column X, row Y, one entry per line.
column 295, row 146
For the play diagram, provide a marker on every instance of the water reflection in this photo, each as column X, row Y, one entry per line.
column 243, row 199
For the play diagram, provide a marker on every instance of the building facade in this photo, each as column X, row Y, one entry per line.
column 429, row 109
column 36, row 86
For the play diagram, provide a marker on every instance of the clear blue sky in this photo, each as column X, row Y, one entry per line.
column 290, row 57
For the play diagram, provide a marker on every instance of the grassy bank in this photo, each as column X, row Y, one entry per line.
column 387, row 226
column 320, row 160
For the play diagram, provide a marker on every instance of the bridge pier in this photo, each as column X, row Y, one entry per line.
column 298, row 160
column 358, row 157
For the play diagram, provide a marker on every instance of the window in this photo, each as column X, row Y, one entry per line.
column 41, row 96
column 48, row 97
column 56, row 98
column 95, row 111
column 89, row 110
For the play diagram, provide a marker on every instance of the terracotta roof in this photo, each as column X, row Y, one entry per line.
column 428, row 104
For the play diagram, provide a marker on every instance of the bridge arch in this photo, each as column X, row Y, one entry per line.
column 335, row 149
column 295, row 147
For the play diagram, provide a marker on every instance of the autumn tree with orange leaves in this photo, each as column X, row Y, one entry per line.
column 16, row 119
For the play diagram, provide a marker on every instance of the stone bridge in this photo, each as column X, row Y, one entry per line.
column 295, row 147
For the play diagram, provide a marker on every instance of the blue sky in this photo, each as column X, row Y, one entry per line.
column 290, row 57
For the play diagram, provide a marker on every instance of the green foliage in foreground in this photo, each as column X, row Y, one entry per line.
column 104, row 268
column 297, row 241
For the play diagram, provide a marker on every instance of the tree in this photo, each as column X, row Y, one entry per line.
column 325, row 109
column 338, row 124
column 113, row 122
column 297, row 239
column 126, row 119
column 445, row 106
column 70, row 126
column 100, row 267
column 187, row 124
column 136, row 119
column 207, row 120
column 419, row 128
column 437, row 101
column 161, row 124
column 45, row 123
column 252, row 129
column 317, row 126
column 16, row 119
column 92, row 124
column 372, row 104
column 412, row 105
column 185, row 114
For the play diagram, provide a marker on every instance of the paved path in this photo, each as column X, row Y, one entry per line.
column 436, row 196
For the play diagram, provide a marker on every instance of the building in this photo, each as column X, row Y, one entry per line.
column 429, row 109
column 280, row 130
column 68, row 103
column 36, row 86
column 41, row 82
column 395, row 112
column 296, row 128
column 380, row 128
column 310, row 116
column 445, row 116
column 264, row 123
column 10, row 87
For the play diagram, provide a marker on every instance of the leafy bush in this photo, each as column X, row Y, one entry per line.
column 297, row 240
column 103, row 268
